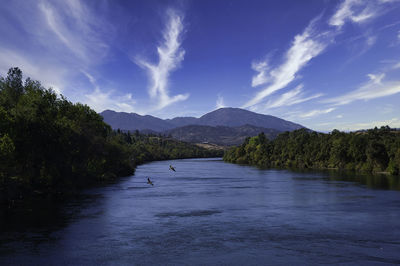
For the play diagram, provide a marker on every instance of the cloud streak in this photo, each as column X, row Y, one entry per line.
column 220, row 102
column 100, row 101
column 292, row 97
column 393, row 123
column 314, row 113
column 77, row 29
column 61, row 39
column 374, row 88
column 49, row 75
column 262, row 77
column 305, row 47
column 356, row 11
column 170, row 55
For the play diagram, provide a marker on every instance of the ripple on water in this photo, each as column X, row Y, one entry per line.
column 188, row 214
column 131, row 188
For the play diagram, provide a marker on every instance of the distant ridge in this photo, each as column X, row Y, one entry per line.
column 228, row 117
column 220, row 135
column 234, row 117
column 132, row 121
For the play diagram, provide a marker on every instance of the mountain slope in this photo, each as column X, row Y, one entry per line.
column 132, row 121
column 221, row 135
column 182, row 121
column 233, row 117
column 229, row 117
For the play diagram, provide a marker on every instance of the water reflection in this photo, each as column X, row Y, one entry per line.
column 379, row 181
column 373, row 181
column 376, row 181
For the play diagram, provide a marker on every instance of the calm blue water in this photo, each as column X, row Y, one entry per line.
column 212, row 213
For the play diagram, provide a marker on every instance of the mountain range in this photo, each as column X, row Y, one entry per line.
column 225, row 126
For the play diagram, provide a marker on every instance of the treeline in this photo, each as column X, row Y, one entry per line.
column 49, row 145
column 374, row 150
column 144, row 148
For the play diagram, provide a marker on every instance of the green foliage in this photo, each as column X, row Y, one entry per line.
column 145, row 148
column 375, row 150
column 49, row 145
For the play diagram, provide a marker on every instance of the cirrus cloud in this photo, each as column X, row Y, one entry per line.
column 292, row 97
column 376, row 87
column 305, row 47
column 170, row 56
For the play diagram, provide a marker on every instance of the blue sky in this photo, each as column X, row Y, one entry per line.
column 323, row 64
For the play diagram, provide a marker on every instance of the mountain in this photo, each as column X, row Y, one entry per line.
column 220, row 135
column 228, row 117
column 182, row 121
column 233, row 117
column 132, row 121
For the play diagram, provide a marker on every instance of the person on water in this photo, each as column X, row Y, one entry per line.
column 172, row 168
column 149, row 181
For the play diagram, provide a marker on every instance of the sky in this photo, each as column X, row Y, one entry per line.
column 323, row 64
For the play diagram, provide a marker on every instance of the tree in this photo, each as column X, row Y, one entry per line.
column 11, row 88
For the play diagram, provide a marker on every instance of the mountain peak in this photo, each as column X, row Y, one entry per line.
column 227, row 116
column 234, row 117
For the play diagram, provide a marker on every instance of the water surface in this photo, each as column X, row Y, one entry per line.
column 211, row 212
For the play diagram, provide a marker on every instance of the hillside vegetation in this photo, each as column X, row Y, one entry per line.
column 220, row 135
column 374, row 150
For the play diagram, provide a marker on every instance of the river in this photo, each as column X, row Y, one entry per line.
column 213, row 213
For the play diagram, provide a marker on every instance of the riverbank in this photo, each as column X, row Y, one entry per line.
column 371, row 151
column 17, row 196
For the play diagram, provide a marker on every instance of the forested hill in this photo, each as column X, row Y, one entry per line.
column 49, row 145
column 374, row 150
column 219, row 135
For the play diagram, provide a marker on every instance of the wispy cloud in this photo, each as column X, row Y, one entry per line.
column 100, row 101
column 61, row 40
column 387, row 109
column 393, row 123
column 305, row 47
column 262, row 77
column 76, row 28
column 292, row 97
column 170, row 55
column 356, row 11
column 371, row 40
column 374, row 88
column 220, row 102
column 361, row 45
column 59, row 30
column 397, row 40
column 314, row 113
column 305, row 115
column 50, row 75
